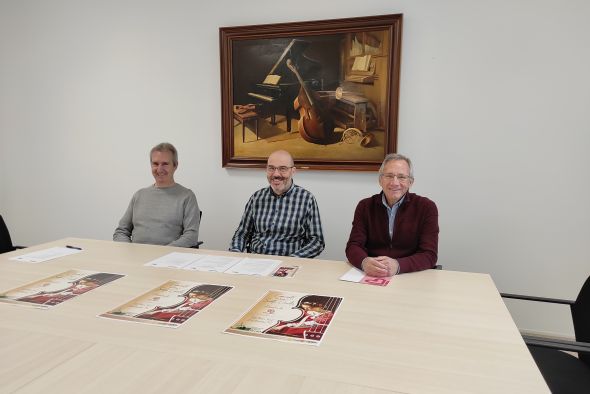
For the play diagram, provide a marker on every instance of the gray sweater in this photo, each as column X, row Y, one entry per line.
column 161, row 216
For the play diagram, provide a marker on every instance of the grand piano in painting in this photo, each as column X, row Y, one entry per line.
column 275, row 95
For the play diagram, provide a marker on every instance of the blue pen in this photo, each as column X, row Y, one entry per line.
column 73, row 247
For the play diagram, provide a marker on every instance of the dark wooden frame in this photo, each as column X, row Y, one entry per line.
column 228, row 35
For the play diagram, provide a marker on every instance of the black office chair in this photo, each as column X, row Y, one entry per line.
column 564, row 372
column 199, row 243
column 5, row 240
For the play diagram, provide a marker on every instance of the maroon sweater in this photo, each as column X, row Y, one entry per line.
column 415, row 234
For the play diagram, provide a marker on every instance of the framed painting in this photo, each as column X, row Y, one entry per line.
column 326, row 91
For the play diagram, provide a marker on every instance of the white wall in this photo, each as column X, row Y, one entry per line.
column 494, row 112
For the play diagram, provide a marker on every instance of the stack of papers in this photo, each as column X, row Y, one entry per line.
column 211, row 263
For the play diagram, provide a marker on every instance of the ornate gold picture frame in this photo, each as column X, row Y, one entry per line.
column 326, row 91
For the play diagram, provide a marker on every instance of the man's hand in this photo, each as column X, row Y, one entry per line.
column 380, row 266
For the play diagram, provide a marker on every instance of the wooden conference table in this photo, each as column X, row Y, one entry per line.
column 426, row 332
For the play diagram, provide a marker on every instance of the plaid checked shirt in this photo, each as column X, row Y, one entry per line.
column 285, row 225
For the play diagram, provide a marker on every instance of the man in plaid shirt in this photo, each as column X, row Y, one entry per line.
column 282, row 219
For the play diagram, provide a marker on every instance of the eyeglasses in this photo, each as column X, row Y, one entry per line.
column 400, row 177
column 282, row 169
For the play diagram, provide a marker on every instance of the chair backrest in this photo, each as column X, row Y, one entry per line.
column 5, row 241
column 199, row 243
column 581, row 317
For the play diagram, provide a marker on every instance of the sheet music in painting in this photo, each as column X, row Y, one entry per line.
column 171, row 304
column 288, row 316
column 361, row 63
column 54, row 290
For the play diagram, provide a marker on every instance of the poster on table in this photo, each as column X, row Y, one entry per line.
column 288, row 316
column 58, row 288
column 170, row 304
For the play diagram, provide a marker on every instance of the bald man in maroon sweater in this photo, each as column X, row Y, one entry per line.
column 395, row 231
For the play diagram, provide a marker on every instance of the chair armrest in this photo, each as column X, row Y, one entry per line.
column 540, row 299
column 558, row 344
column 199, row 243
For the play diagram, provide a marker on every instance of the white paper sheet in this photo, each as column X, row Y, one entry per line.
column 353, row 275
column 358, row 276
column 249, row 266
column 45, row 254
column 174, row 260
column 213, row 263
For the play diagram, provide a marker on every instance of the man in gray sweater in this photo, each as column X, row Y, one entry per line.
column 165, row 213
